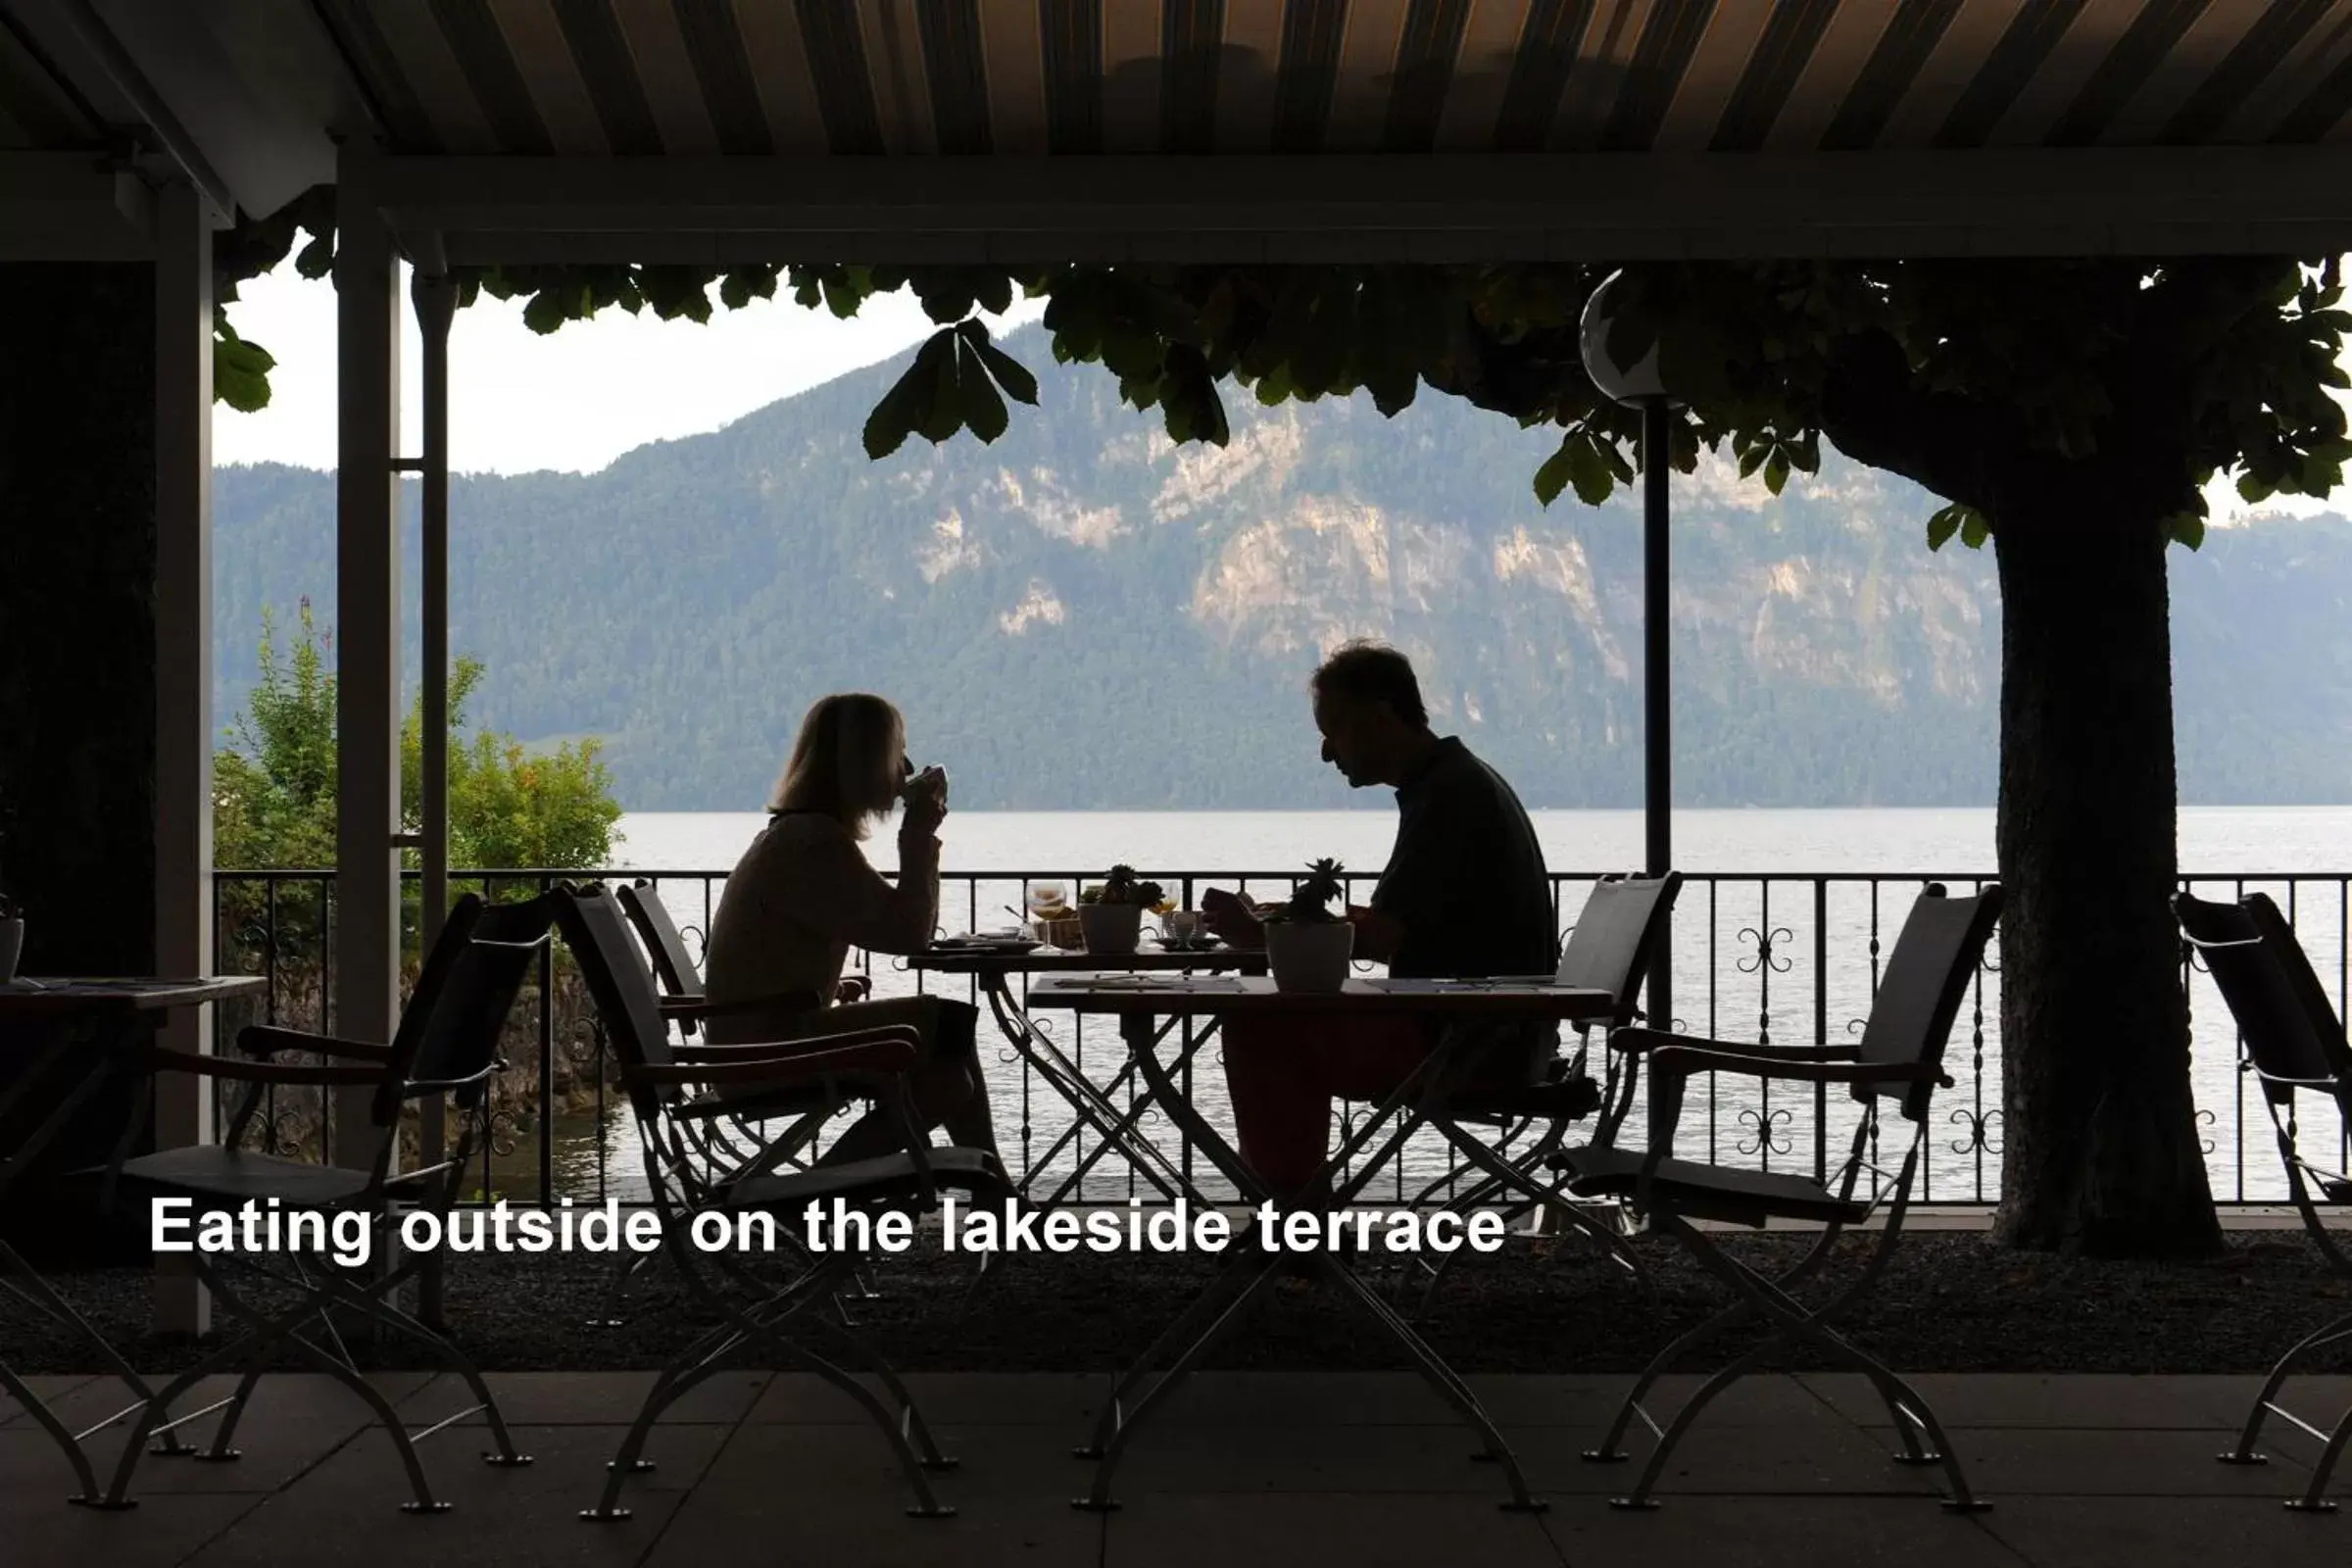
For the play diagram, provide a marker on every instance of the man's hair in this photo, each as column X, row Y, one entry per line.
column 1370, row 671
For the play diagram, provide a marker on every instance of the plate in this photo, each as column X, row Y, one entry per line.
column 975, row 944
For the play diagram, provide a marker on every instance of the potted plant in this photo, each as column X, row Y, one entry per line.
column 1111, row 913
column 1308, row 945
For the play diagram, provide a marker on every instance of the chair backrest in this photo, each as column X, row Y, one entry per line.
column 2290, row 1028
column 467, row 985
column 1936, row 953
column 1624, row 920
column 665, row 943
column 622, row 988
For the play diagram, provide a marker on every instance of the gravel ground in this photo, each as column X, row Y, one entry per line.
column 1949, row 1303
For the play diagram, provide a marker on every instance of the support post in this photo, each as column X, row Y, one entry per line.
column 184, row 680
column 436, row 300
column 366, row 999
column 1657, row 687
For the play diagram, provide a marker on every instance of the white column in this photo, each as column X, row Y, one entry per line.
column 436, row 300
column 366, row 639
column 183, row 676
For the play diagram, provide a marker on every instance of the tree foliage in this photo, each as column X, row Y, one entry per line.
column 273, row 789
column 1970, row 377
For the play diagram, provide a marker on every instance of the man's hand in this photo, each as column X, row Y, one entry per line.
column 1376, row 936
column 1230, row 918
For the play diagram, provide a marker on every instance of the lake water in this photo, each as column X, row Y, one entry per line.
column 2221, row 839
column 1757, row 956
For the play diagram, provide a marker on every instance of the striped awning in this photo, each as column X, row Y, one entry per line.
column 757, row 130
column 975, row 78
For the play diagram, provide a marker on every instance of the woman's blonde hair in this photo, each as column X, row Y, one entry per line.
column 844, row 761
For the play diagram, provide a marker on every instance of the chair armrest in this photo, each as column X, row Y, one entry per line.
column 442, row 1086
column 1682, row 1061
column 165, row 1059
column 705, row 1007
column 266, row 1039
column 871, row 1058
column 1638, row 1040
column 2325, row 1085
column 895, row 1034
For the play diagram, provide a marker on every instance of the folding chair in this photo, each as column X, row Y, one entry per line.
column 1899, row 1059
column 684, row 998
column 726, row 1128
column 2293, row 1041
column 1624, row 922
column 746, row 1111
column 751, row 1309
column 446, row 1044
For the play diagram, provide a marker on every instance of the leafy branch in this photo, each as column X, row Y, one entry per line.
column 2167, row 373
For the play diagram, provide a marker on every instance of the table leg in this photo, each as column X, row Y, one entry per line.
column 1079, row 1092
column 1128, row 1127
column 1117, row 1426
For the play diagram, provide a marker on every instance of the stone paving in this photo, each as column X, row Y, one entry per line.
column 1240, row 1468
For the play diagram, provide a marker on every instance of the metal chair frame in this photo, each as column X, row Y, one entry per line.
column 1596, row 955
column 474, row 977
column 2291, row 1043
column 1901, row 1057
column 778, row 1316
column 684, row 1002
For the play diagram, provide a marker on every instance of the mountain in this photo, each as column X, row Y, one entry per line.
column 1084, row 615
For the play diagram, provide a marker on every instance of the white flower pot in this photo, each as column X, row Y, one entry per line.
column 1111, row 927
column 1309, row 955
column 11, row 944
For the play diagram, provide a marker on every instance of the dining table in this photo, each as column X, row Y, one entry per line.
column 80, row 1034
column 1143, row 1004
column 1006, row 974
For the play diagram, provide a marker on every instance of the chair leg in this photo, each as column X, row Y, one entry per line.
column 1797, row 1323
column 46, row 1419
column 2314, row 1500
column 766, row 1322
column 2283, row 1369
column 253, row 1348
column 1612, row 1444
column 267, row 1335
column 910, row 1416
column 221, row 1450
column 691, row 1366
column 38, row 1294
column 1684, row 1419
column 617, row 1290
column 373, row 1307
column 927, row 1503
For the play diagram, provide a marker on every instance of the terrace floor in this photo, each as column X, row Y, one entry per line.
column 1361, row 1468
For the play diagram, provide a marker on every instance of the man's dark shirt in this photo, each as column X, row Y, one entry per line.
column 1466, row 878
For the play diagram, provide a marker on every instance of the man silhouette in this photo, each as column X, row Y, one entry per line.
column 1465, row 892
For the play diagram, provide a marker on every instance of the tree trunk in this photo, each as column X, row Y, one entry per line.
column 2101, row 1140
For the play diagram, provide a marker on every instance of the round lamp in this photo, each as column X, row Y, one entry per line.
column 1638, row 383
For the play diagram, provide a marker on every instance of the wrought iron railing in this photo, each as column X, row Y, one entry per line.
column 1768, row 957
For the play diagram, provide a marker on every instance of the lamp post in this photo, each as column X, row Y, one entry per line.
column 1639, row 385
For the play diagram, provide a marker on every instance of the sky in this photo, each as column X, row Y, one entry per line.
column 578, row 398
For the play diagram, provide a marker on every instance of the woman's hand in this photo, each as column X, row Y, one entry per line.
column 926, row 803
